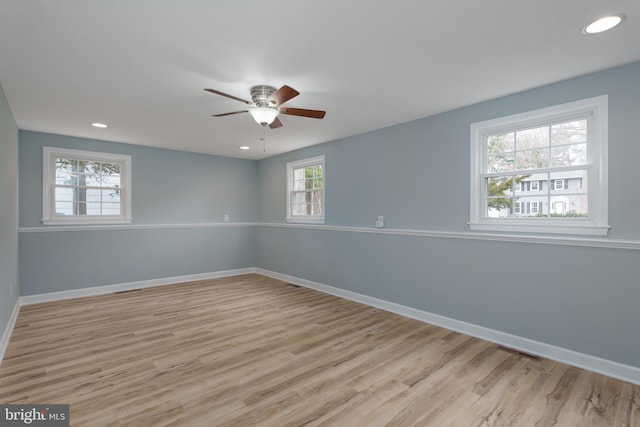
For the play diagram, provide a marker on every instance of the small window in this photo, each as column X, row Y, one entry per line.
column 535, row 208
column 84, row 187
column 558, row 184
column 561, row 148
column 305, row 190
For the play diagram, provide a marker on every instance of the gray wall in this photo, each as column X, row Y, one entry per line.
column 8, row 212
column 171, row 188
column 417, row 176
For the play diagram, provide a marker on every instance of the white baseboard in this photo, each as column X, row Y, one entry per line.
column 108, row 289
column 6, row 335
column 610, row 368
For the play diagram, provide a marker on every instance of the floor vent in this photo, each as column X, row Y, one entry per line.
column 517, row 352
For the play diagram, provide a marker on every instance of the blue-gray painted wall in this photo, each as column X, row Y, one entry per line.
column 417, row 175
column 169, row 187
column 8, row 212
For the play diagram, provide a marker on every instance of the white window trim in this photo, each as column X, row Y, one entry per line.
column 48, row 181
column 308, row 219
column 597, row 160
column 537, row 185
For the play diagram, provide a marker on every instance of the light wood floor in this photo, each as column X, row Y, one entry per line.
column 251, row 350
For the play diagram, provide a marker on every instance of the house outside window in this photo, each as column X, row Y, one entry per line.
column 84, row 187
column 305, row 190
column 522, row 166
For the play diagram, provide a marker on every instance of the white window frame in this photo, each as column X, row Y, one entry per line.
column 304, row 163
column 596, row 223
column 50, row 154
column 537, row 185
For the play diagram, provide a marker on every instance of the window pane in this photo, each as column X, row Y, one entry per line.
column 500, row 196
column 316, row 204
column 298, row 174
column 500, row 162
column 111, row 209
column 299, row 184
column 301, row 203
column 569, row 155
column 64, row 177
column 532, row 138
column 93, row 208
column 501, row 142
column 499, row 186
column 111, row 180
column 111, row 195
column 63, row 208
column 93, row 195
column 569, row 132
column 63, row 194
column 500, row 150
column 532, row 159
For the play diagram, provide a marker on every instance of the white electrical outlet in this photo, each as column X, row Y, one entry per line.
column 380, row 222
column 226, row 217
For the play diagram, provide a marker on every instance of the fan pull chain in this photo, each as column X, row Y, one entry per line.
column 264, row 138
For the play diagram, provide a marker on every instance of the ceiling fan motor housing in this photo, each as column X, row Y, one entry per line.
column 260, row 95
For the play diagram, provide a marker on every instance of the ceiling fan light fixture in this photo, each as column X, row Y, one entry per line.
column 264, row 115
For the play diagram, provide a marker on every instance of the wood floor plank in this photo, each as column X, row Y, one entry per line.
column 251, row 350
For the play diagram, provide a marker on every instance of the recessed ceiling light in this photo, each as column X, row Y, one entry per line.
column 603, row 24
column 244, row 147
column 99, row 125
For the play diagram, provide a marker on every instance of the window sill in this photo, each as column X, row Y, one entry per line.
column 306, row 220
column 87, row 221
column 546, row 228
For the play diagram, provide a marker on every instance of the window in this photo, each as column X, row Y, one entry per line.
column 305, row 190
column 535, row 207
column 557, row 148
column 557, row 184
column 83, row 187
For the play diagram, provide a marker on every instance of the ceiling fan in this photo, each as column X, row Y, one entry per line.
column 267, row 103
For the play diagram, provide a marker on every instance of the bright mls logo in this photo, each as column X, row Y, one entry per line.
column 34, row 415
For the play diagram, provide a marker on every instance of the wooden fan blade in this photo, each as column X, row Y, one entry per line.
column 314, row 114
column 276, row 123
column 230, row 114
column 283, row 94
column 217, row 92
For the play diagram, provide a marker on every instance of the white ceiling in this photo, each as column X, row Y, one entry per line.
column 141, row 65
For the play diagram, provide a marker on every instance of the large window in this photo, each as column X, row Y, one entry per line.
column 83, row 187
column 542, row 171
column 305, row 190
